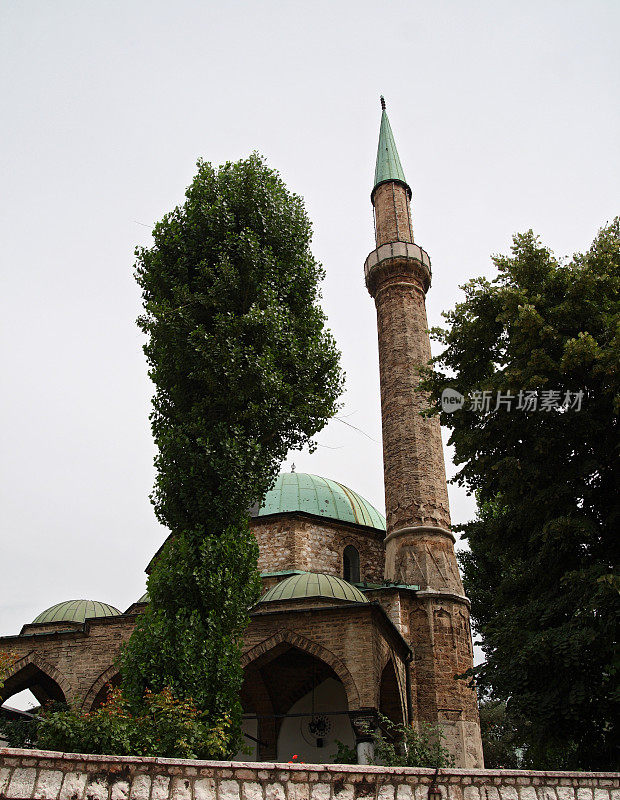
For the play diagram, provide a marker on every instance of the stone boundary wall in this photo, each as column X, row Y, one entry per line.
column 29, row 774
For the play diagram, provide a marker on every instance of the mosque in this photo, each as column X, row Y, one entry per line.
column 361, row 615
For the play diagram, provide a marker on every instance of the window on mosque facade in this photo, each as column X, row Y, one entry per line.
column 351, row 564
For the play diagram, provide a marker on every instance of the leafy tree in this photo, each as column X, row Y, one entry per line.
column 501, row 737
column 244, row 370
column 544, row 544
column 399, row 745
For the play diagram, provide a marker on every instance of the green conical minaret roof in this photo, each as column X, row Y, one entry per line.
column 388, row 166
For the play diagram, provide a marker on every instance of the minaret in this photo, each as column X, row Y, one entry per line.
column 419, row 546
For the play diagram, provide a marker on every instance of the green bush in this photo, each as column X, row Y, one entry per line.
column 19, row 732
column 164, row 727
column 345, row 754
column 400, row 745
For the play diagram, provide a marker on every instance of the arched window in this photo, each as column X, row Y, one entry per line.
column 351, row 564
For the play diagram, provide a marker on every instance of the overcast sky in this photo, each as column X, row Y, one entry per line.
column 505, row 115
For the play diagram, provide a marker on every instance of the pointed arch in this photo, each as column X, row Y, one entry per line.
column 391, row 697
column 107, row 676
column 26, row 667
column 285, row 636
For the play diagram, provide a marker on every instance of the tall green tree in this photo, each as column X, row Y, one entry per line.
column 540, row 570
column 244, row 370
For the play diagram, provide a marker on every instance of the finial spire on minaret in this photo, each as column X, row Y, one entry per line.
column 388, row 166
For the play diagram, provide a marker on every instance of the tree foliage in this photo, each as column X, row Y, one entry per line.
column 544, row 545
column 20, row 733
column 163, row 727
column 502, row 740
column 397, row 744
column 244, row 370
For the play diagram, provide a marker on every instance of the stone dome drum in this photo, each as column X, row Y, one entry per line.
column 76, row 611
column 311, row 494
column 313, row 584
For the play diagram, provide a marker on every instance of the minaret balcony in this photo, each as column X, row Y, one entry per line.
column 394, row 252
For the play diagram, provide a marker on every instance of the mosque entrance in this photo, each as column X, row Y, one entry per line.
column 294, row 705
column 32, row 677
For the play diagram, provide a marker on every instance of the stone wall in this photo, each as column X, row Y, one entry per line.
column 26, row 774
column 79, row 661
column 414, row 472
column 312, row 544
column 392, row 214
column 355, row 640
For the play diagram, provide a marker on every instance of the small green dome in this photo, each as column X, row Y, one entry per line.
column 300, row 491
column 313, row 584
column 76, row 611
column 144, row 599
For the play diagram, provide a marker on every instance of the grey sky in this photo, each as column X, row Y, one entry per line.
column 505, row 115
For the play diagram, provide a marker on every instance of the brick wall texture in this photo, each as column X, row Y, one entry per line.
column 414, row 470
column 419, row 550
column 392, row 214
column 32, row 774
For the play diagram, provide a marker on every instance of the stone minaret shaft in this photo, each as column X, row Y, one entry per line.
column 419, row 547
column 398, row 276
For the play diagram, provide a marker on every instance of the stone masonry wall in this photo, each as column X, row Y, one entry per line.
column 30, row 774
column 415, row 478
column 295, row 542
column 78, row 661
column 352, row 639
column 393, row 214
column 440, row 628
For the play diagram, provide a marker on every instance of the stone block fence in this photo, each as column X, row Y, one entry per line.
column 30, row 774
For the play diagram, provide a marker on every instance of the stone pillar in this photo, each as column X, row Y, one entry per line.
column 364, row 723
column 365, row 752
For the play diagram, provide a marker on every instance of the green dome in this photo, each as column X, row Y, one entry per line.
column 144, row 599
column 299, row 491
column 76, row 611
column 313, row 584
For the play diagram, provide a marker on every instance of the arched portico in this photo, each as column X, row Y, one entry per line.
column 99, row 690
column 391, row 698
column 298, row 699
column 43, row 679
column 293, row 639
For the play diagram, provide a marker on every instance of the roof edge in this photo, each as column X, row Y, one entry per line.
column 309, row 515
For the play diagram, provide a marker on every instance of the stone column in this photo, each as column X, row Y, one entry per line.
column 364, row 723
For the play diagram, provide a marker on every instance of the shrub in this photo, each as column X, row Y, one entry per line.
column 400, row 745
column 165, row 727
